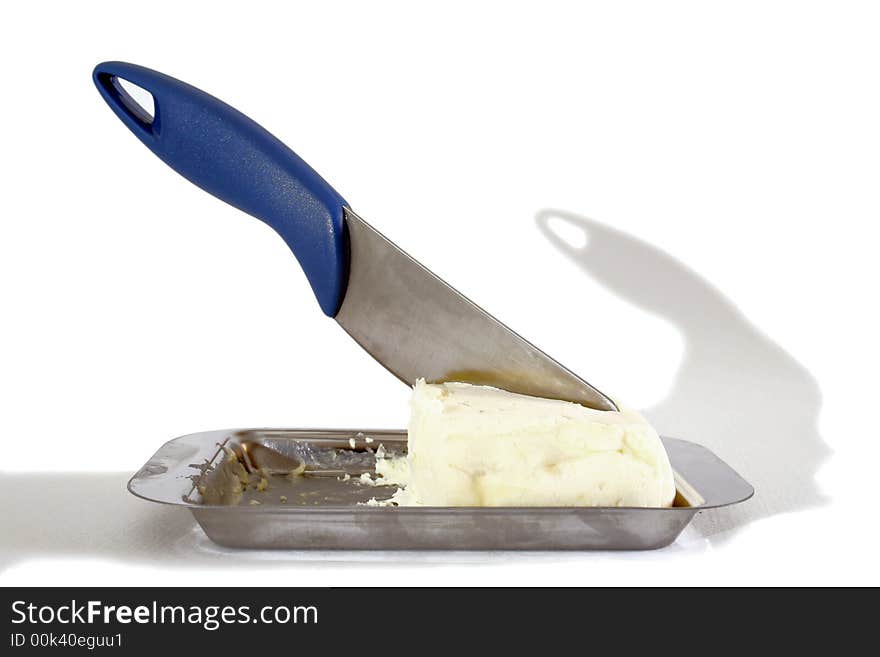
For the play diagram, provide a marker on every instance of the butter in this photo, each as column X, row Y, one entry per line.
column 479, row 446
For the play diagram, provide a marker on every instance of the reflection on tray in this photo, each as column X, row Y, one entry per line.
column 271, row 468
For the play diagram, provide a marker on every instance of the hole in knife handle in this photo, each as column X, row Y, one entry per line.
column 136, row 99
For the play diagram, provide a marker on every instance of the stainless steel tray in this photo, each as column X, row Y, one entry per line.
column 324, row 509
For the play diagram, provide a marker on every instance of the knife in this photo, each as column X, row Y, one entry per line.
column 407, row 318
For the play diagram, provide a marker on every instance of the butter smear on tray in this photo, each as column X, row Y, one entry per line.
column 478, row 446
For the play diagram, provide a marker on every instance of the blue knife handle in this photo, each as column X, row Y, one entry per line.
column 228, row 155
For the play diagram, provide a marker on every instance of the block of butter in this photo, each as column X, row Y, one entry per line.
column 479, row 446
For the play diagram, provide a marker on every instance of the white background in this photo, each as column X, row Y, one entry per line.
column 720, row 161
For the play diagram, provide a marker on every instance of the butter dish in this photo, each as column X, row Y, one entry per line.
column 326, row 504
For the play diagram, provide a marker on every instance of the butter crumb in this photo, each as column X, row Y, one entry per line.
column 296, row 472
column 374, row 502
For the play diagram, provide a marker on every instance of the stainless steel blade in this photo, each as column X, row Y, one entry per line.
column 417, row 326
